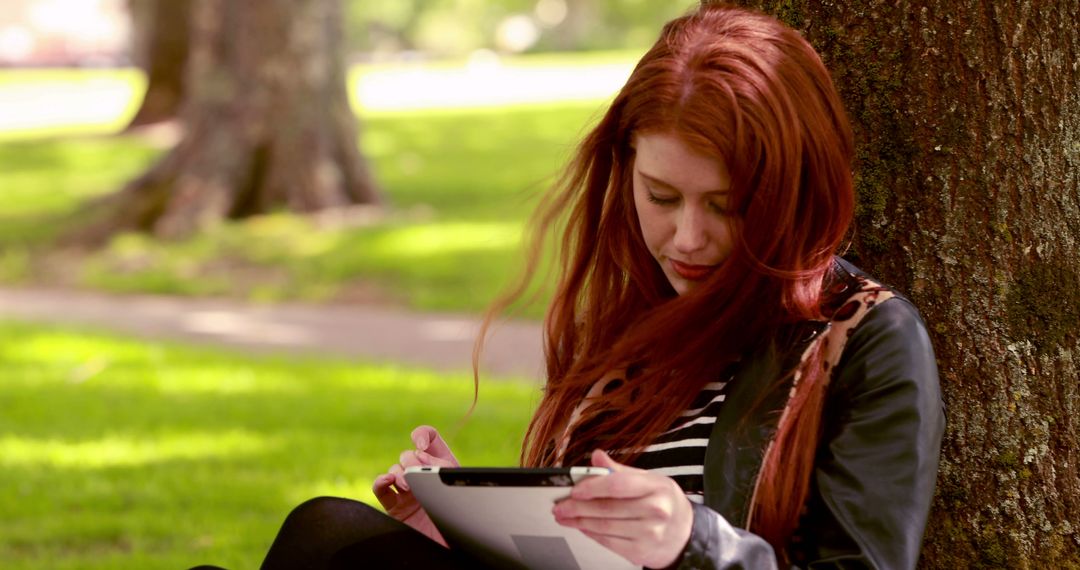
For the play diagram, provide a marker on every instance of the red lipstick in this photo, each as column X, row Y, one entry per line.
column 691, row 272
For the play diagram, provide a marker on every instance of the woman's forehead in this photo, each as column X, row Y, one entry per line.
column 669, row 160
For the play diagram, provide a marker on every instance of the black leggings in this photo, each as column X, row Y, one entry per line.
column 337, row 533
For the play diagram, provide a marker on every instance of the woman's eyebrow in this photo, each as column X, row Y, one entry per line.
column 658, row 182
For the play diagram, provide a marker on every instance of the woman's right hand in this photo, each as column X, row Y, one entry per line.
column 393, row 491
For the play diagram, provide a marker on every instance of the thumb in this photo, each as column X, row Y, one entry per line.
column 427, row 439
column 600, row 458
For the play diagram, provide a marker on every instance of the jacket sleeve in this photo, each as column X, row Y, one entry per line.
column 876, row 465
column 715, row 544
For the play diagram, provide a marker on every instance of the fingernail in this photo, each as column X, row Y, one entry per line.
column 421, row 443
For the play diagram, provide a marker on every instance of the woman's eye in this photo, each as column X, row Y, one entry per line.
column 720, row 208
column 662, row 200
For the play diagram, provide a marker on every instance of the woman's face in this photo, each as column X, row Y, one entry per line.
column 681, row 198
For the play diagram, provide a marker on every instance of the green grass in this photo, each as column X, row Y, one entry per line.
column 460, row 184
column 116, row 453
column 44, row 179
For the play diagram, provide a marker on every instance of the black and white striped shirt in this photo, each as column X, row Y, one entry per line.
column 679, row 453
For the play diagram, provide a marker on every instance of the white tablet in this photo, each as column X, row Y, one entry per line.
column 503, row 516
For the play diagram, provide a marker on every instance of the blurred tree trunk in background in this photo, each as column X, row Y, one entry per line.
column 967, row 122
column 267, row 124
column 573, row 32
column 161, row 39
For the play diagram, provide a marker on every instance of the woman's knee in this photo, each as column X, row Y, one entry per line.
column 319, row 527
column 321, row 510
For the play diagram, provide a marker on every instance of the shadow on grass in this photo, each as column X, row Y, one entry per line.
column 44, row 184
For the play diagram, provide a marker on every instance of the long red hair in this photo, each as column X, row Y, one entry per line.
column 741, row 86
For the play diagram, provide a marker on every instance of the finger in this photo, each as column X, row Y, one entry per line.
column 627, row 529
column 427, row 438
column 383, row 488
column 414, row 458
column 428, row 459
column 399, row 477
column 600, row 458
column 611, row 542
column 401, row 506
column 623, row 482
column 639, row 509
column 626, row 485
column 383, row 482
column 409, row 458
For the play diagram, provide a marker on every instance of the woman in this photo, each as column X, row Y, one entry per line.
column 760, row 401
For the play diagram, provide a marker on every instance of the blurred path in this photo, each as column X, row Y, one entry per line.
column 486, row 82
column 442, row 342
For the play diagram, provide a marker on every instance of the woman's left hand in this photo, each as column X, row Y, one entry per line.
column 642, row 516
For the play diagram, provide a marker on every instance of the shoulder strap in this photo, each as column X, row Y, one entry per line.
column 844, row 321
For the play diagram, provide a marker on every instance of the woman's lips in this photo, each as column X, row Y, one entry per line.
column 691, row 272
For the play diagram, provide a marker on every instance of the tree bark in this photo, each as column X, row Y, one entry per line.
column 267, row 124
column 967, row 121
column 161, row 39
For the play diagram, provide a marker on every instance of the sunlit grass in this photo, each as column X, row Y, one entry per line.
column 166, row 457
column 446, row 238
column 126, row 450
column 443, row 265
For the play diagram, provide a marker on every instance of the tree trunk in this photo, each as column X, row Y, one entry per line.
column 577, row 27
column 967, row 121
column 267, row 124
column 160, row 43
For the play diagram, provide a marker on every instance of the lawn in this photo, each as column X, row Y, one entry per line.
column 460, row 184
column 117, row 453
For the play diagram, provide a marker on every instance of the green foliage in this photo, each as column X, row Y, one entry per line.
column 123, row 454
column 450, row 27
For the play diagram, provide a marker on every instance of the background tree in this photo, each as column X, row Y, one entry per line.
column 967, row 121
column 161, row 40
column 267, row 124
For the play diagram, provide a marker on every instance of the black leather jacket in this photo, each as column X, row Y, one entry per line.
column 876, row 464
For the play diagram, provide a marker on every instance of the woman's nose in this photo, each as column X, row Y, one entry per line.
column 690, row 230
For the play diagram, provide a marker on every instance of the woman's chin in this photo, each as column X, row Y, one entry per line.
column 680, row 285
